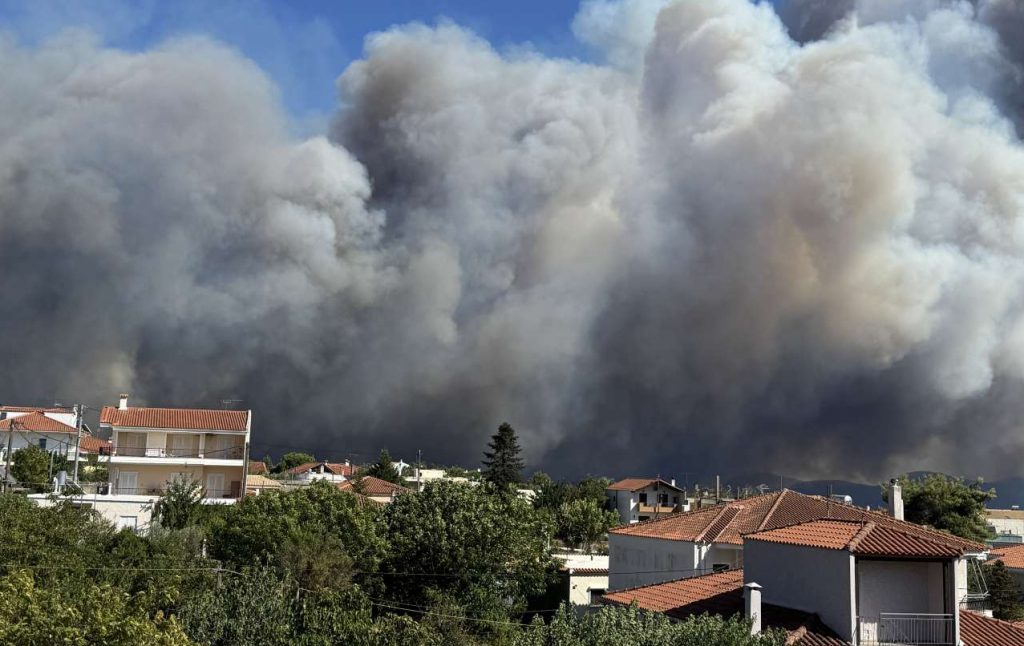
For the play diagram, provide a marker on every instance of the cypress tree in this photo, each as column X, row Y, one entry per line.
column 502, row 464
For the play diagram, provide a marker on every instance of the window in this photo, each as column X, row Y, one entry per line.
column 215, row 485
column 128, row 482
column 128, row 522
column 663, row 499
column 675, row 500
column 643, row 498
column 720, row 567
column 595, row 594
column 181, row 445
column 42, row 443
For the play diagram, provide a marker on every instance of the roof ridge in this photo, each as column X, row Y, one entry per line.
column 684, row 578
column 866, row 529
column 702, row 536
column 934, row 534
column 666, row 517
column 771, row 510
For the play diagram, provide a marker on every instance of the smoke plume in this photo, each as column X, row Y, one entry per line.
column 736, row 241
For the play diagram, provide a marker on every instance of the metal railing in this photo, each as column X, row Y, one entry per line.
column 229, row 453
column 907, row 629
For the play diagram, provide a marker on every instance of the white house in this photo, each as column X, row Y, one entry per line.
column 831, row 581
column 586, row 576
column 711, row 539
column 150, row 447
column 330, row 471
column 52, row 429
column 1006, row 522
column 640, row 499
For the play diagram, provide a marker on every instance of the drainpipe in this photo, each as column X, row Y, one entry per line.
column 752, row 606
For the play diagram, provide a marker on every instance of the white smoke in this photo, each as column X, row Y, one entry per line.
column 723, row 249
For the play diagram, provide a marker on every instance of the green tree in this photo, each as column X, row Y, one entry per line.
column 946, row 503
column 384, row 468
column 30, row 466
column 180, row 503
column 1004, row 592
column 502, row 465
column 456, row 545
column 582, row 522
column 292, row 460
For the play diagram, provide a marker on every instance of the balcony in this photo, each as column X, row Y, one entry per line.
column 907, row 629
column 229, row 453
column 657, row 509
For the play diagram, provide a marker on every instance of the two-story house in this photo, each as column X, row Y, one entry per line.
column 151, row 447
column 329, row 471
column 640, row 499
column 52, row 429
column 833, row 582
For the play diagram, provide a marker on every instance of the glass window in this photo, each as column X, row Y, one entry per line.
column 42, row 442
column 643, row 498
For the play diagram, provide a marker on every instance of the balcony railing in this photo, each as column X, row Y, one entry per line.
column 230, row 453
column 907, row 629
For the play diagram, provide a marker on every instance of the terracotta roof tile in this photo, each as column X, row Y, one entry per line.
column 773, row 511
column 586, row 571
column 90, row 444
column 636, row 484
column 337, row 468
column 257, row 467
column 179, row 418
column 371, row 486
column 1012, row 557
column 722, row 594
column 977, row 630
column 866, row 539
column 36, row 423
column 33, row 409
column 257, row 481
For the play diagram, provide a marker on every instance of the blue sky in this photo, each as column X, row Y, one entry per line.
column 302, row 44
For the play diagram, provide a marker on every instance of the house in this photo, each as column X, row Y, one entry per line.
column 255, row 484
column 329, row 471
column 374, row 488
column 150, row 447
column 640, row 499
column 421, row 477
column 258, row 467
column 1008, row 524
column 52, row 429
column 585, row 577
column 829, row 581
column 1012, row 557
column 709, row 539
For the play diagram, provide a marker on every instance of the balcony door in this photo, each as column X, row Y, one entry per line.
column 133, row 444
column 181, row 445
column 128, row 482
column 215, row 485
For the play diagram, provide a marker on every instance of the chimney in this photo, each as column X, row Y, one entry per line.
column 123, row 404
column 752, row 605
column 718, row 489
column 673, row 482
column 895, row 499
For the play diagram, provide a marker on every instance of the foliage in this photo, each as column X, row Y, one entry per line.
column 30, row 466
column 580, row 523
column 454, row 544
column 614, row 626
column 384, row 469
column 502, row 465
column 292, row 460
column 92, row 470
column 179, row 505
column 83, row 613
column 945, row 503
column 1004, row 592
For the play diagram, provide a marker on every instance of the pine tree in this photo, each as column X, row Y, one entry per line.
column 385, row 469
column 502, row 464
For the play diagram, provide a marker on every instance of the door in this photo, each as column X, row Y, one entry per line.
column 128, row 482
column 215, row 485
column 133, row 444
column 181, row 445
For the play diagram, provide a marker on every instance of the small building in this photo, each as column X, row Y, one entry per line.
column 640, row 499
column 585, row 575
column 256, row 484
column 374, row 488
column 46, row 428
column 329, row 471
column 1006, row 523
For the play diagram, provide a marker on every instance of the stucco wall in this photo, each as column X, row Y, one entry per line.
column 580, row 587
column 157, row 477
column 641, row 560
column 805, row 578
column 899, row 586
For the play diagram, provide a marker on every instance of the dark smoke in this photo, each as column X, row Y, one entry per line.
column 720, row 250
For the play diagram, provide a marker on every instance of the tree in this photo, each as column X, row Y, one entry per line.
column 292, row 460
column 384, row 468
column 502, row 465
column 1004, row 592
column 946, row 503
column 454, row 544
column 178, row 507
column 30, row 466
column 582, row 522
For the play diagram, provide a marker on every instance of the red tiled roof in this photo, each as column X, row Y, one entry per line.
column 189, row 419
column 1012, row 557
column 257, row 467
column 371, row 486
column 90, row 444
column 722, row 594
column 865, row 539
column 36, row 423
column 977, row 630
column 636, row 484
column 586, row 571
column 33, row 409
column 773, row 511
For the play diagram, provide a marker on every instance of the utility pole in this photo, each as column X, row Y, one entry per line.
column 7, row 469
column 78, row 442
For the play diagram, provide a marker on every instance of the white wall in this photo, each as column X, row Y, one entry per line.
column 581, row 585
column 805, row 578
column 1013, row 526
column 899, row 586
column 641, row 560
